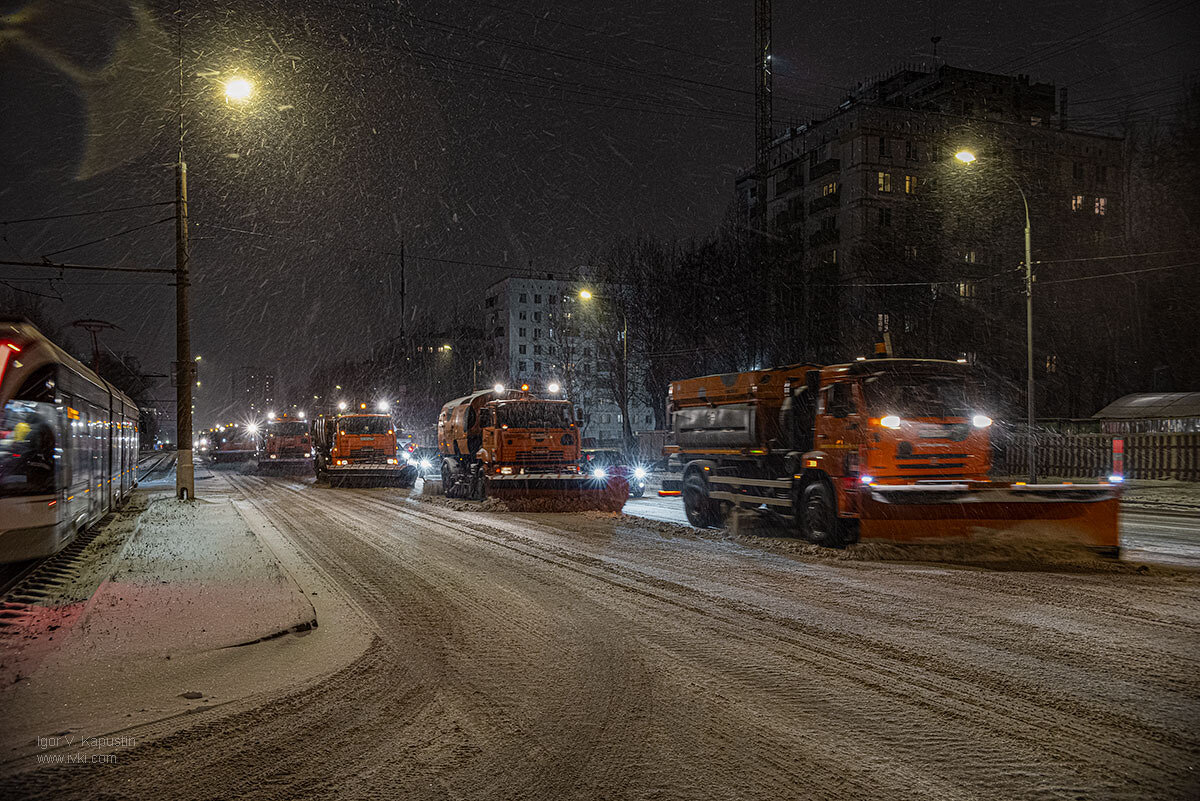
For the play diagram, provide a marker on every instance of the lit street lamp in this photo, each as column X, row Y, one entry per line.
column 966, row 157
column 238, row 90
column 627, row 425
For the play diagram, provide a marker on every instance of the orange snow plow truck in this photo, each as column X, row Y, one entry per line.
column 523, row 450
column 359, row 448
column 882, row 449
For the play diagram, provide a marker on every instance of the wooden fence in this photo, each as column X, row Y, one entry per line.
column 1150, row 456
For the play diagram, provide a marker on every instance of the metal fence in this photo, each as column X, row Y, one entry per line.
column 1148, row 456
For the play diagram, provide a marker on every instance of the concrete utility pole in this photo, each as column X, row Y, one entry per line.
column 185, row 481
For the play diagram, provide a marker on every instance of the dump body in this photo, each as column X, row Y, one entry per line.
column 287, row 442
column 522, row 449
column 359, row 447
column 892, row 449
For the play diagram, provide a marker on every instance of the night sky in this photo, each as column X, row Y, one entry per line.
column 496, row 132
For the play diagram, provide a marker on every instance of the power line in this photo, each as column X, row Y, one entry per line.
column 88, row 213
column 1067, row 44
column 1123, row 272
column 57, row 266
column 110, row 236
column 376, row 251
column 1119, row 256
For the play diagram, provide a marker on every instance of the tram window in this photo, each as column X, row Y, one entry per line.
column 27, row 448
column 39, row 386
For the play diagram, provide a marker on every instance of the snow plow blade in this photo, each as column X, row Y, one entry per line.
column 559, row 492
column 1082, row 514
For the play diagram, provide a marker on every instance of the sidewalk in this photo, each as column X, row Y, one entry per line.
column 192, row 580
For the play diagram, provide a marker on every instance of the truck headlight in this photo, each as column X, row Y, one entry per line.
column 981, row 421
column 392, row 461
column 599, row 473
column 891, row 421
column 639, row 472
column 426, row 464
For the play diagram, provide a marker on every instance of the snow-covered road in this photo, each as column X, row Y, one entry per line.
column 586, row 656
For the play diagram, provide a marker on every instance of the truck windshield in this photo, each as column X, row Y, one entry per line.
column 915, row 395
column 531, row 414
column 291, row 428
column 365, row 424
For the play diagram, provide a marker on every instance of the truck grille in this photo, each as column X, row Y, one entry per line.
column 931, row 461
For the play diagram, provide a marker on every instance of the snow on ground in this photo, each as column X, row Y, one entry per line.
column 159, row 637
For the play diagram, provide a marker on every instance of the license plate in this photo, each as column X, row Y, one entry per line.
column 366, row 439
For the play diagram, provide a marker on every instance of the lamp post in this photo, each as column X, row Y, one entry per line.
column 967, row 157
column 237, row 90
column 626, row 427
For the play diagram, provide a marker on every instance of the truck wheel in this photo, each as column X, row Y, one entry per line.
column 702, row 511
column 637, row 490
column 818, row 517
column 447, row 479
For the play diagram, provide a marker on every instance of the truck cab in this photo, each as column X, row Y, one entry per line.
column 360, row 445
column 286, row 442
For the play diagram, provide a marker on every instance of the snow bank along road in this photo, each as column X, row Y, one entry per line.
column 1169, row 537
column 585, row 656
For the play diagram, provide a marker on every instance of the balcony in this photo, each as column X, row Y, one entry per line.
column 824, row 202
column 824, row 168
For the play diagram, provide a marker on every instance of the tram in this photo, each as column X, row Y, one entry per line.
column 68, row 444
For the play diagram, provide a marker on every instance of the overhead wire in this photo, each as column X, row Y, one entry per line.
column 1117, row 274
column 1136, row 17
column 88, row 213
column 125, row 232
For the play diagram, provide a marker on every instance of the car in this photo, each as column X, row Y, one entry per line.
column 601, row 462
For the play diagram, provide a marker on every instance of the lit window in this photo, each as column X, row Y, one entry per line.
column 1101, row 205
column 1076, row 202
column 912, row 251
column 969, row 257
column 1051, row 364
column 966, row 289
column 882, row 321
column 829, row 188
column 833, row 256
column 884, row 181
column 910, row 184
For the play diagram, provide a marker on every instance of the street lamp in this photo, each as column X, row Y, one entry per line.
column 586, row 295
column 966, row 157
column 498, row 388
column 553, row 388
column 238, row 89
